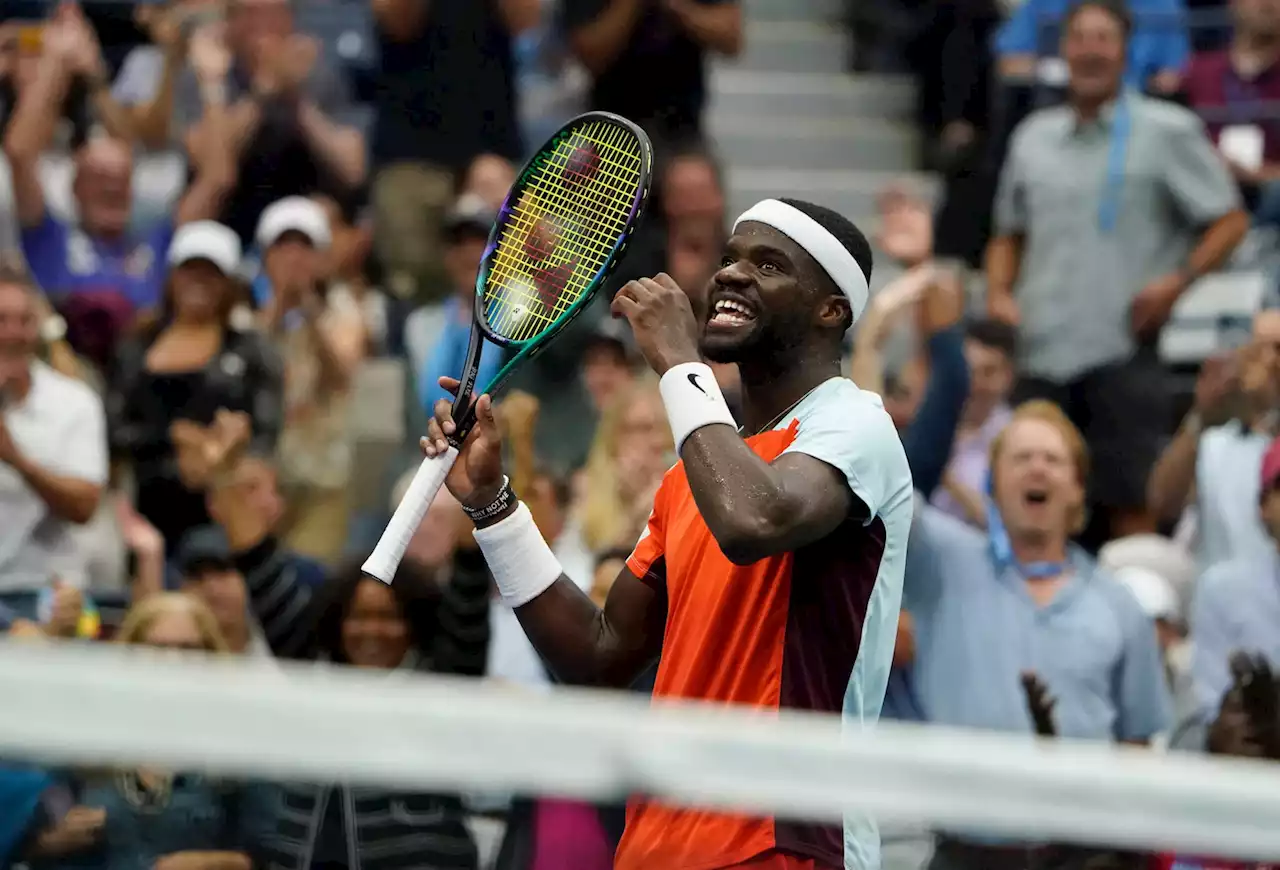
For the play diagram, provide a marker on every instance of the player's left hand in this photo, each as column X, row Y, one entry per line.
column 661, row 319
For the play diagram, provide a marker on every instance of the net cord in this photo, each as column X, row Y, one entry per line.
column 98, row 705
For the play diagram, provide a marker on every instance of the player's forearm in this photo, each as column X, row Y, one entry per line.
column 571, row 634
column 579, row 641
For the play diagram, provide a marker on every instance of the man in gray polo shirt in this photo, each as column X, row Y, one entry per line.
column 991, row 606
column 1108, row 208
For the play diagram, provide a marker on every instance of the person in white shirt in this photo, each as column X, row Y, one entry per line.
column 53, row 456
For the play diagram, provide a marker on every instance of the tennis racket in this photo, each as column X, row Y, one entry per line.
column 562, row 230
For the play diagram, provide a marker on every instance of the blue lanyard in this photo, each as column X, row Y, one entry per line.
column 1117, row 152
column 1002, row 550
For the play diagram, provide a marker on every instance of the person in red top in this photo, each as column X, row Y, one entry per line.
column 770, row 571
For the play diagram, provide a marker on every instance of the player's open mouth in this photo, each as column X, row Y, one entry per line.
column 731, row 313
column 1035, row 496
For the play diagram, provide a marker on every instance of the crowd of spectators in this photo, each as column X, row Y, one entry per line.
column 224, row 223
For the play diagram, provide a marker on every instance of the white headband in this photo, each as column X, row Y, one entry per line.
column 831, row 255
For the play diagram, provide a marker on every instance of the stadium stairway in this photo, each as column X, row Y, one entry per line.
column 787, row 117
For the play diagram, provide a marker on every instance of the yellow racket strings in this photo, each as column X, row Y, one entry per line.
column 562, row 228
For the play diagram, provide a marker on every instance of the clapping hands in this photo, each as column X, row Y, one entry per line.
column 203, row 451
column 69, row 40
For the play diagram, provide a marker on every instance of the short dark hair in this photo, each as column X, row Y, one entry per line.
column 845, row 231
column 1117, row 9
column 994, row 334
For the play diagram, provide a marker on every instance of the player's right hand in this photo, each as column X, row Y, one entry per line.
column 476, row 477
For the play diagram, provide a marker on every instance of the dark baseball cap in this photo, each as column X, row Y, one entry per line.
column 204, row 549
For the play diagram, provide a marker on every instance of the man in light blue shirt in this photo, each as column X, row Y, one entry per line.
column 989, row 607
column 1237, row 603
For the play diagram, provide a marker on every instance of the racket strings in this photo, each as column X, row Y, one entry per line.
column 577, row 203
column 555, row 203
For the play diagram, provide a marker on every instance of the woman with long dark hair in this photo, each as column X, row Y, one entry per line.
column 434, row 617
column 172, row 378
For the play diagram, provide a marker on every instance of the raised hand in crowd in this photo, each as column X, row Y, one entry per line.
column 83, row 50
column 1040, row 704
column 298, row 57
column 209, row 54
column 942, row 305
column 1248, row 723
column 1216, row 387
column 885, row 311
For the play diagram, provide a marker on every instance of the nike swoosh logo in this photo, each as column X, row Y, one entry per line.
column 693, row 379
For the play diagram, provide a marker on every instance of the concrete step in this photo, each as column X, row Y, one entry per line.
column 761, row 95
column 793, row 46
column 794, row 10
column 821, row 144
column 851, row 193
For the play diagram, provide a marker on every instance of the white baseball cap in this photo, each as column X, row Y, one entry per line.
column 293, row 214
column 1154, row 593
column 206, row 240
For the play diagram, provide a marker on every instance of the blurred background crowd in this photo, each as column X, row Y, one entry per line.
column 237, row 243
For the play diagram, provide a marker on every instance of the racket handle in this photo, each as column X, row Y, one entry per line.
column 427, row 480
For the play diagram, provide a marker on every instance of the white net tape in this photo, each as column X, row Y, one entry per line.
column 101, row 705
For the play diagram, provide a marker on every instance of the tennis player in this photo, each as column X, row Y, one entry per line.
column 770, row 572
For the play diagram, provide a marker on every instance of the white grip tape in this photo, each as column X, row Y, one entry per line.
column 427, row 480
column 693, row 400
column 522, row 564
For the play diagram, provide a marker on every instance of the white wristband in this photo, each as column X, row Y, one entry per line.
column 522, row 564
column 693, row 400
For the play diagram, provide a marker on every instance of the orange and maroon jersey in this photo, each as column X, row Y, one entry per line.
column 812, row 629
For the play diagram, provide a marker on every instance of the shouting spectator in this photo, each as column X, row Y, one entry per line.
column 171, row 380
column 53, row 460
column 288, row 114
column 1047, row 607
column 1089, row 270
column 98, row 271
column 647, row 60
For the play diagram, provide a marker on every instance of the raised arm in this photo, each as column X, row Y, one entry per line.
column 753, row 508
column 581, row 643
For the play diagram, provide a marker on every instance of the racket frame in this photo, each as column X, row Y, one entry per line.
column 528, row 348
